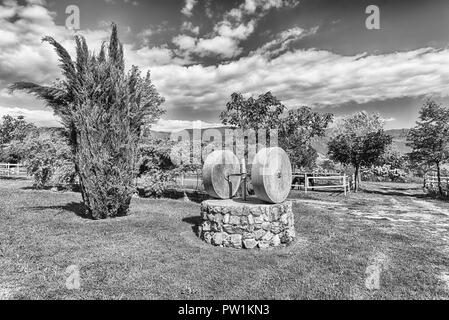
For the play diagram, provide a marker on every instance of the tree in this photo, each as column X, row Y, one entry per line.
column 156, row 169
column 47, row 157
column 393, row 158
column 298, row 129
column 359, row 141
column 261, row 113
column 429, row 138
column 103, row 110
column 13, row 131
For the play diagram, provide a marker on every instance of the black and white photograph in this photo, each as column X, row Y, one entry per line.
column 242, row 151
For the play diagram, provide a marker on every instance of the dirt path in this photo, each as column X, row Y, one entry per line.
column 404, row 207
column 385, row 202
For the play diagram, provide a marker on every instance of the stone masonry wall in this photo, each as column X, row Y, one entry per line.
column 234, row 224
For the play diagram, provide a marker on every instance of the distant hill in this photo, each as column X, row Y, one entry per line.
column 320, row 144
column 399, row 141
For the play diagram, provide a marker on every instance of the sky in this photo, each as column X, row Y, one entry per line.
column 316, row 53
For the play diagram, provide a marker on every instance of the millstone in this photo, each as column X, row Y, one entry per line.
column 271, row 175
column 216, row 170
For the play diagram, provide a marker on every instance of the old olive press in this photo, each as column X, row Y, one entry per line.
column 263, row 221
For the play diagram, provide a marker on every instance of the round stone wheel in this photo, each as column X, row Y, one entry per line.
column 217, row 167
column 271, row 175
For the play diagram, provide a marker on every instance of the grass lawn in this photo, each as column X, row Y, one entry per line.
column 154, row 254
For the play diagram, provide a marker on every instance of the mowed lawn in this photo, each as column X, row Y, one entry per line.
column 154, row 254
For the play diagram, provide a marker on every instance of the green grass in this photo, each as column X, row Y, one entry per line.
column 154, row 254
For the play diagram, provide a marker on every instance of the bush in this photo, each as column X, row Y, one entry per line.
column 157, row 181
column 47, row 158
column 384, row 173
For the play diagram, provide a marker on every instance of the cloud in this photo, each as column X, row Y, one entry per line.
column 282, row 41
column 188, row 7
column 23, row 57
column 237, row 25
column 148, row 57
column 41, row 118
column 306, row 77
column 188, row 26
column 219, row 45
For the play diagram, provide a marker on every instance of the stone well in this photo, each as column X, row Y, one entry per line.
column 251, row 224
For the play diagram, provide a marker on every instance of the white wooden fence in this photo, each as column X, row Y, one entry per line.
column 343, row 181
column 12, row 169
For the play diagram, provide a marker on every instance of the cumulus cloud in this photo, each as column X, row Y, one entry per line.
column 23, row 57
column 146, row 57
column 41, row 118
column 237, row 25
column 307, row 77
column 283, row 40
column 188, row 26
column 188, row 7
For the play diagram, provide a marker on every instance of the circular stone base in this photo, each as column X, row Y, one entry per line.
column 239, row 224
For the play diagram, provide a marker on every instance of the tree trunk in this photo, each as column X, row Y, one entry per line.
column 440, row 189
column 356, row 178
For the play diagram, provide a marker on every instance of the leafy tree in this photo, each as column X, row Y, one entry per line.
column 261, row 113
column 328, row 165
column 393, row 158
column 296, row 128
column 429, row 138
column 103, row 109
column 13, row 131
column 156, row 169
column 299, row 128
column 155, row 153
column 47, row 157
column 360, row 141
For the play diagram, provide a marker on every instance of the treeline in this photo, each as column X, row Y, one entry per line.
column 358, row 145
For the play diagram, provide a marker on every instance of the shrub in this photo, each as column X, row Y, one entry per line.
column 157, row 181
column 384, row 173
column 48, row 159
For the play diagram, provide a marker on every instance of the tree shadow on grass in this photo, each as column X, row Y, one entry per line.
column 49, row 188
column 13, row 178
column 78, row 208
column 194, row 221
column 398, row 192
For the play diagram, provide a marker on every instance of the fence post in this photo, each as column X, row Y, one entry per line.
column 344, row 184
column 306, row 182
